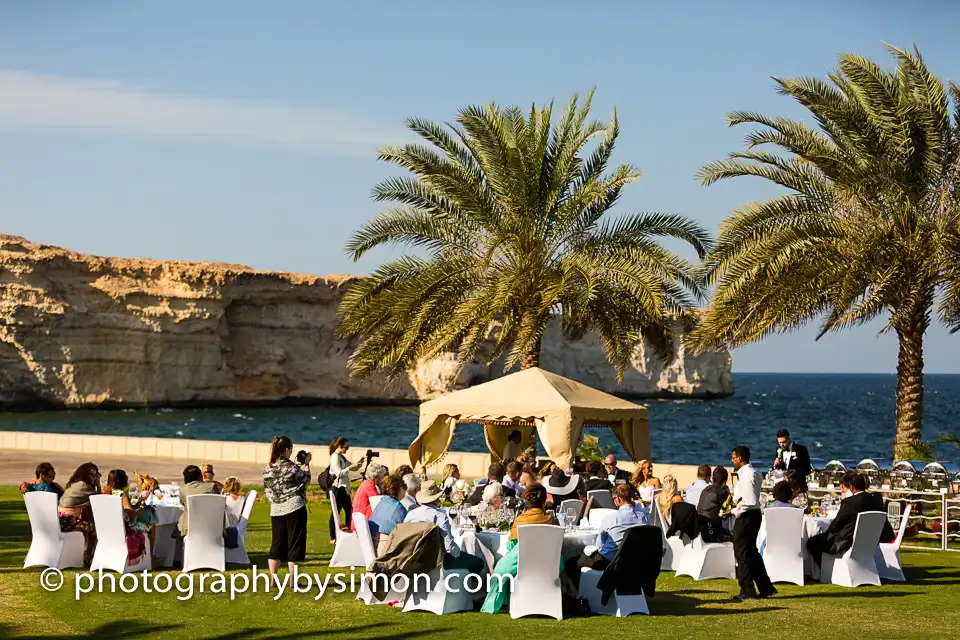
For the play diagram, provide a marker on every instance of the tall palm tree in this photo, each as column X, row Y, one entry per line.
column 505, row 214
column 867, row 227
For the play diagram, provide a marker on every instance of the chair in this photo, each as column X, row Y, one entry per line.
column 362, row 527
column 49, row 546
column 239, row 555
column 346, row 551
column 783, row 552
column 203, row 546
column 596, row 516
column 887, row 556
column 572, row 510
column 111, row 551
column 479, row 482
column 374, row 501
column 536, row 590
column 706, row 561
column 857, row 566
column 619, row 606
column 601, row 498
column 673, row 546
column 435, row 597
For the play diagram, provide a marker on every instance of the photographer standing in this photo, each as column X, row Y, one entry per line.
column 340, row 469
column 285, row 485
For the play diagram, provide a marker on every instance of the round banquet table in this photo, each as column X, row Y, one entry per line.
column 495, row 542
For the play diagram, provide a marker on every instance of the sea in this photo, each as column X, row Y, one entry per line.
column 837, row 416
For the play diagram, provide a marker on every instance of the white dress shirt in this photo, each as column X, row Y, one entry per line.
column 747, row 490
column 694, row 491
column 430, row 513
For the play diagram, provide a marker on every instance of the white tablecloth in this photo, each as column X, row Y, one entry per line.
column 496, row 542
column 167, row 515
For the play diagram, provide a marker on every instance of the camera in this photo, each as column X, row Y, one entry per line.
column 371, row 454
column 302, row 456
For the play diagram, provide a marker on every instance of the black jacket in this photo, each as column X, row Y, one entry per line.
column 477, row 494
column 840, row 531
column 800, row 461
column 683, row 520
column 596, row 484
column 620, row 477
column 636, row 567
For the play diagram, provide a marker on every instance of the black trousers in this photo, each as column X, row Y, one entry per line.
column 343, row 504
column 750, row 567
column 817, row 545
column 573, row 566
column 289, row 536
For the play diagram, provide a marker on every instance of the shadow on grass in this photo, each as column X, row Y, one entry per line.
column 930, row 575
column 14, row 525
column 675, row 604
column 123, row 629
column 853, row 593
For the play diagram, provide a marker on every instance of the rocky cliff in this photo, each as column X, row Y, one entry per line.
column 85, row 331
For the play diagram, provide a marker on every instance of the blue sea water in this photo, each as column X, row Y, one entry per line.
column 835, row 415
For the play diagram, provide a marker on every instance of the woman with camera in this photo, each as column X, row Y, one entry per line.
column 340, row 469
column 285, row 485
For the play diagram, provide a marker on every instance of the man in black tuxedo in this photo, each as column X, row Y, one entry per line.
column 595, row 479
column 495, row 473
column 614, row 474
column 791, row 455
column 838, row 538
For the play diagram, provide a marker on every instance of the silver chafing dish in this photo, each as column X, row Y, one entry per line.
column 939, row 475
column 906, row 474
column 877, row 471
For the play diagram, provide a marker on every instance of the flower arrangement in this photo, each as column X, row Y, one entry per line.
column 728, row 506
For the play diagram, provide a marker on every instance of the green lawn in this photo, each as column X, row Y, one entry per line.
column 925, row 606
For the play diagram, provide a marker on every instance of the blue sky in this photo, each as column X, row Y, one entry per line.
column 246, row 132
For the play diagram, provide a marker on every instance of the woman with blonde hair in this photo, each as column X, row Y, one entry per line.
column 668, row 495
column 645, row 482
column 232, row 489
column 679, row 517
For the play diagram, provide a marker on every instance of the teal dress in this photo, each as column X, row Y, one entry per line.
column 507, row 566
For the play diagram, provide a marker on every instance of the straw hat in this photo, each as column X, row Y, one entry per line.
column 429, row 493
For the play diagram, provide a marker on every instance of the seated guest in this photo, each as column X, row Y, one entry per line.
column 137, row 522
column 74, row 509
column 371, row 486
column 193, row 485
column 511, row 479
column 412, row 482
column 45, row 475
column 838, row 538
column 512, row 450
column 701, row 483
column 388, row 513
column 528, row 476
column 615, row 475
column 645, row 482
column 798, row 486
column 612, row 530
column 711, row 502
column 428, row 511
column 595, row 480
column 451, row 474
column 548, row 468
column 782, row 495
column 402, row 470
column 561, row 487
column 495, row 473
column 232, row 489
column 535, row 496
column 680, row 518
column 208, row 476
column 490, row 501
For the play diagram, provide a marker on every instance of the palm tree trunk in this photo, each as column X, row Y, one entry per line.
column 531, row 357
column 909, row 386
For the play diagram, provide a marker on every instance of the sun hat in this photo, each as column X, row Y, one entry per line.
column 559, row 483
column 429, row 493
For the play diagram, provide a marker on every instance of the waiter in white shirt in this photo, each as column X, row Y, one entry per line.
column 746, row 500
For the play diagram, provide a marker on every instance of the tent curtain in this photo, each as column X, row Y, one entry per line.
column 634, row 436
column 496, row 435
column 433, row 442
column 560, row 435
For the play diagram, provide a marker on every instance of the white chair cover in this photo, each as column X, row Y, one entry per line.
column 706, row 561
column 673, row 547
column 783, row 552
column 49, row 547
column 858, row 565
column 362, row 526
column 596, row 516
column 434, row 597
column 887, row 556
column 619, row 606
column 111, row 551
column 602, row 498
column 239, row 555
column 203, row 546
column 536, row 590
column 346, row 551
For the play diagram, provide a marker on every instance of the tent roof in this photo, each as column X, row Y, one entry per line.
column 529, row 393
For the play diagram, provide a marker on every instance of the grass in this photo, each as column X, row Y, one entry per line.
column 925, row 605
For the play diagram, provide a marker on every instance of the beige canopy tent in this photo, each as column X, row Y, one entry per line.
column 532, row 400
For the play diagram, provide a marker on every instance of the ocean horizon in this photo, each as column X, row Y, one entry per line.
column 836, row 415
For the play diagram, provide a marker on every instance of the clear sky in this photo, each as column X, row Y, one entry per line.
column 246, row 132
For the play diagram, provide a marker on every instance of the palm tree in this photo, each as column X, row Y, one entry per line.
column 504, row 213
column 867, row 228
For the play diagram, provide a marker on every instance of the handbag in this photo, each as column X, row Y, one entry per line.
column 231, row 538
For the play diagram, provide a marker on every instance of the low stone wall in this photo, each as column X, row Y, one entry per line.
column 472, row 465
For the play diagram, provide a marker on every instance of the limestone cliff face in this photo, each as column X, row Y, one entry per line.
column 84, row 331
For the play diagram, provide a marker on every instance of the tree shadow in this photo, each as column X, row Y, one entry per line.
column 362, row 631
column 674, row 604
column 118, row 629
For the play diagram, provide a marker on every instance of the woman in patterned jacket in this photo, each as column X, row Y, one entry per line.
column 285, row 485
